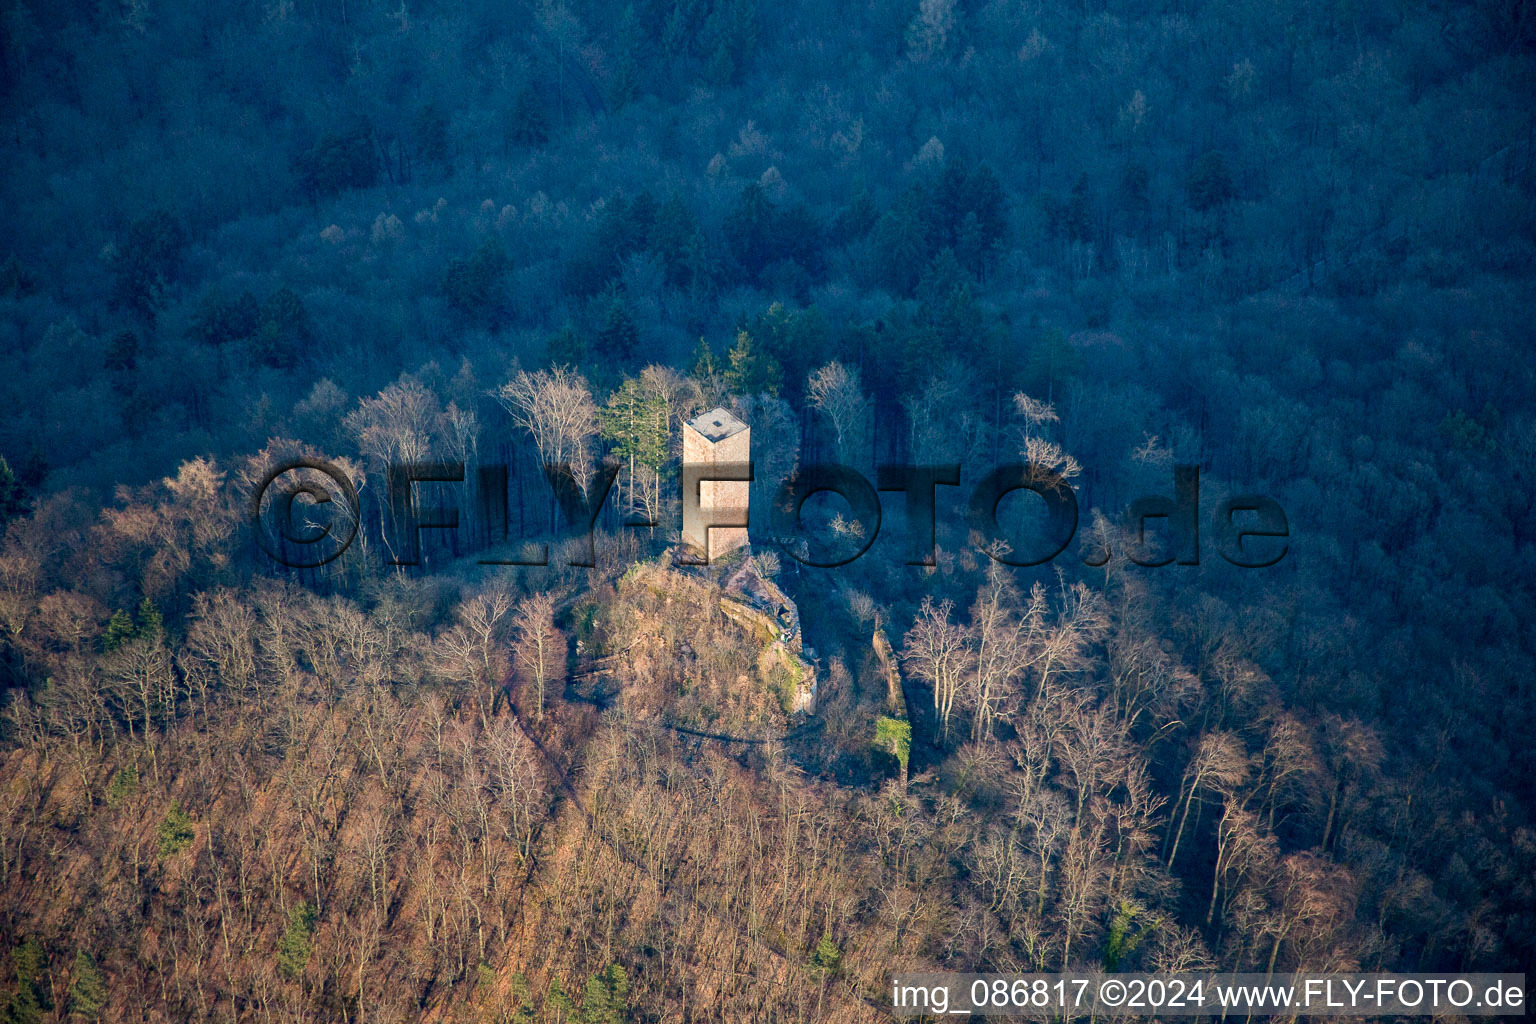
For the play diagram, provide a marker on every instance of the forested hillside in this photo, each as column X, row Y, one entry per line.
column 1290, row 244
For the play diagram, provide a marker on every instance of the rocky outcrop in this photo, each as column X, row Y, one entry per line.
column 895, row 697
column 760, row 606
column 766, row 613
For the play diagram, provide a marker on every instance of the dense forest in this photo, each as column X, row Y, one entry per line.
column 1288, row 244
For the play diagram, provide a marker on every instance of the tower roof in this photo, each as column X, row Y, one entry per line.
column 717, row 424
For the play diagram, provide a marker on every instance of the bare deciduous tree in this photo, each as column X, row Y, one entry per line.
column 470, row 652
column 144, row 684
column 937, row 650
column 539, row 647
column 1242, row 845
column 399, row 425
column 838, row 392
column 1312, row 899
column 220, row 647
column 997, row 639
column 1219, row 761
column 1289, row 769
column 556, row 408
column 1353, row 753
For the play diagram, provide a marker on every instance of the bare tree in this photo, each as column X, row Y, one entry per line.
column 470, row 653
column 941, row 426
column 517, row 780
column 938, row 652
column 1048, row 819
column 556, row 408
column 145, row 687
column 1289, row 768
column 678, row 393
column 1083, row 883
column 67, row 620
column 1132, row 819
column 1146, row 681
column 997, row 640
column 1047, row 461
column 1220, row 761
column 1242, row 845
column 1035, row 412
column 1091, row 747
column 1313, row 900
column 1353, row 754
column 461, row 428
column 538, row 646
column 838, row 393
column 76, row 705
column 1060, row 644
column 220, row 647
column 341, row 516
column 178, row 528
column 1175, row 950
column 399, row 425
column 20, row 573
column 999, row 862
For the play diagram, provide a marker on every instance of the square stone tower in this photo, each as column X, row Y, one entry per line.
column 711, row 439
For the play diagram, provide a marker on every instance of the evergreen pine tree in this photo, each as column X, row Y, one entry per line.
column 529, row 125
column 752, row 371
column 294, row 948
column 617, row 337
column 151, row 626
column 87, row 988
column 30, row 1000
column 176, row 831
column 826, row 957
column 13, row 499
column 120, row 630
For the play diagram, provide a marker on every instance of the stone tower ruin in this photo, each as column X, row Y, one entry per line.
column 716, row 438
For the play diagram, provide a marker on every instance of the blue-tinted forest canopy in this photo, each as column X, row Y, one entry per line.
column 1289, row 243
